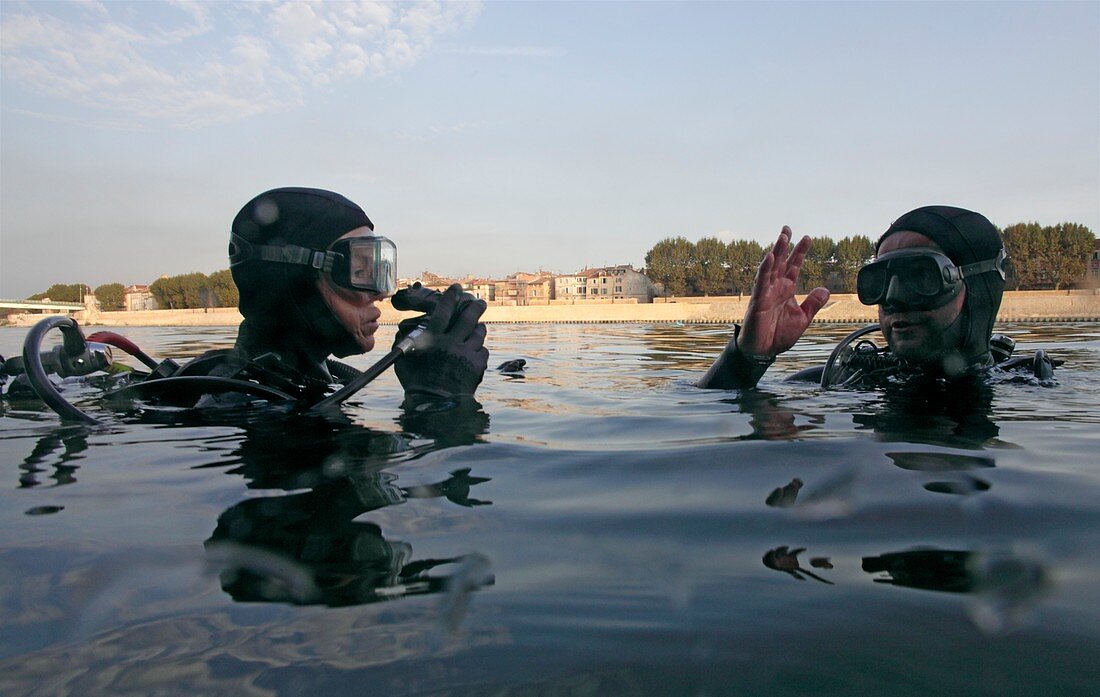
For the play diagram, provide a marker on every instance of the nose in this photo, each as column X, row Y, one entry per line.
column 895, row 297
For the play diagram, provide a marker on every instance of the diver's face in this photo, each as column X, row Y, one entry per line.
column 918, row 335
column 355, row 310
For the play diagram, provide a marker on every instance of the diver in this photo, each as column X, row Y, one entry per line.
column 309, row 269
column 937, row 278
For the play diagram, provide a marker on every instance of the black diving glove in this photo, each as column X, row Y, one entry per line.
column 450, row 358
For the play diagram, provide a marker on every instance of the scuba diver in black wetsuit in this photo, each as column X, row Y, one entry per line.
column 309, row 270
column 937, row 278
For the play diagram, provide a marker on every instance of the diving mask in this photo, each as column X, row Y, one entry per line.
column 918, row 278
column 367, row 264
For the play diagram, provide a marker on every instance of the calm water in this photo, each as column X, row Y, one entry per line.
column 597, row 526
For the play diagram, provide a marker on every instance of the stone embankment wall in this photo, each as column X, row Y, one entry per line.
column 1017, row 306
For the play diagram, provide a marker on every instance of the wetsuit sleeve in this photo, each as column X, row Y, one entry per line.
column 735, row 369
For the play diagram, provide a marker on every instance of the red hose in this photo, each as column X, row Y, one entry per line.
column 121, row 342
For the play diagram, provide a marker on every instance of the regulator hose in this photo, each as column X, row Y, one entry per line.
column 828, row 378
column 74, row 344
column 121, row 342
column 368, row 375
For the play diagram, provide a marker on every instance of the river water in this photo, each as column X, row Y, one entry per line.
column 594, row 526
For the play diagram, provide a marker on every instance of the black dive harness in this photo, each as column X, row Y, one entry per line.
column 262, row 378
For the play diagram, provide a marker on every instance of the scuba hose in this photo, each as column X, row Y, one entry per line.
column 78, row 355
column 367, row 376
column 74, row 357
column 847, row 364
column 121, row 342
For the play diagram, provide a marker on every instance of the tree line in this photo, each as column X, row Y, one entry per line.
column 1047, row 257
column 189, row 290
column 713, row 267
column 1039, row 258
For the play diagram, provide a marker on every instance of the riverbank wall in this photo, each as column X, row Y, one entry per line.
column 1017, row 306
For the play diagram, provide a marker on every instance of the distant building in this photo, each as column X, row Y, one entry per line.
column 572, row 286
column 620, row 283
column 512, row 290
column 540, row 290
column 481, row 288
column 138, row 297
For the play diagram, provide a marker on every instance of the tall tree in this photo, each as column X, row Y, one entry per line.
column 225, row 290
column 194, row 289
column 819, row 264
column 111, row 296
column 742, row 259
column 852, row 253
column 1074, row 243
column 709, row 270
column 62, row 293
column 1024, row 246
column 669, row 261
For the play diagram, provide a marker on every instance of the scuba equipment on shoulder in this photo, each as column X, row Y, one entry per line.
column 75, row 356
column 848, row 364
column 918, row 278
column 168, row 380
column 367, row 263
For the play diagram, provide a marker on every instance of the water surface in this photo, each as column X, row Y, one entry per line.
column 594, row 526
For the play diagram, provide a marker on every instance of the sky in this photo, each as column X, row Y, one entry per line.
column 491, row 138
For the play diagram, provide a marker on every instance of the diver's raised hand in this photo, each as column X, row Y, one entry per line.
column 775, row 320
column 450, row 358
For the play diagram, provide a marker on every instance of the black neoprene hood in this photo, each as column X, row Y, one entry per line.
column 280, row 302
column 965, row 237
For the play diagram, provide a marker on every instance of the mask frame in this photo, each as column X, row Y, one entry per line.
column 927, row 278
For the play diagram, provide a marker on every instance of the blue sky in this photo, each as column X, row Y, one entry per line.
column 490, row 138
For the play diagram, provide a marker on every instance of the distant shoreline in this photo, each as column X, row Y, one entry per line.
column 1017, row 306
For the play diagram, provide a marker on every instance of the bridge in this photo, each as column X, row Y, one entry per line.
column 39, row 305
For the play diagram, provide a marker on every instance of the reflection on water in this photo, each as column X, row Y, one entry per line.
column 309, row 546
column 592, row 524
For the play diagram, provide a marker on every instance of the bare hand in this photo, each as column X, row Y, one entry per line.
column 775, row 320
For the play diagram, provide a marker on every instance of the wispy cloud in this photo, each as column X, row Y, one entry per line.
column 192, row 64
column 508, row 51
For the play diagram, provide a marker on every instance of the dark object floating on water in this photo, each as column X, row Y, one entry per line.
column 513, row 366
column 44, row 510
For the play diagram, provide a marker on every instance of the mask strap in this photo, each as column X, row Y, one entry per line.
column 984, row 266
column 242, row 250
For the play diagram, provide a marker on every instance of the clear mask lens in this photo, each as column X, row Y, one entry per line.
column 365, row 264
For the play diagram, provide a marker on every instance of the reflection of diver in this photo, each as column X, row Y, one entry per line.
column 958, row 416
column 928, row 569
column 308, row 547
column 953, row 415
column 771, row 418
column 786, row 560
column 1004, row 586
column 72, row 444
